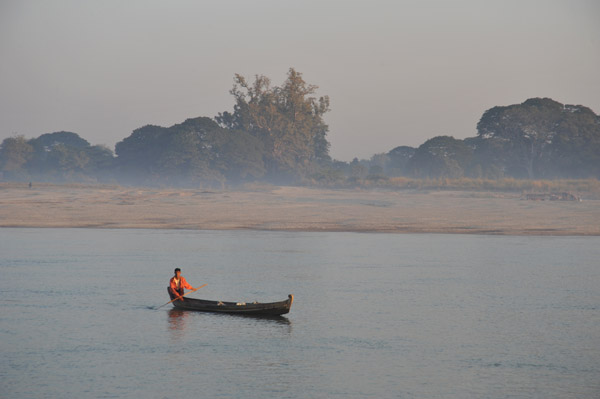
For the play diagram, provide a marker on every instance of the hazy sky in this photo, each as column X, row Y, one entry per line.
column 397, row 72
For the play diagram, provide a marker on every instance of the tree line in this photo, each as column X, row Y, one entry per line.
column 278, row 134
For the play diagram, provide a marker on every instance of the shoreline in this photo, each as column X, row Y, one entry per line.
column 541, row 233
column 294, row 209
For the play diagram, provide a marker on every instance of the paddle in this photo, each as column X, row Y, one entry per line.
column 179, row 297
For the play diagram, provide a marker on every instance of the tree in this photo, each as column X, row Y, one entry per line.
column 441, row 156
column 66, row 162
column 15, row 153
column 541, row 138
column 179, row 154
column 287, row 119
column 488, row 158
column 399, row 158
column 575, row 151
column 66, row 156
column 69, row 139
column 101, row 161
column 196, row 151
column 524, row 131
column 138, row 154
column 240, row 157
column 358, row 169
column 379, row 164
column 188, row 151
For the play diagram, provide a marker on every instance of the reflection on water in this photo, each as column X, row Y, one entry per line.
column 178, row 321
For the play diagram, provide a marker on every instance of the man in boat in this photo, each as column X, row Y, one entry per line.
column 177, row 284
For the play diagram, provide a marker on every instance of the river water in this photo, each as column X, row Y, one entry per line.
column 375, row 315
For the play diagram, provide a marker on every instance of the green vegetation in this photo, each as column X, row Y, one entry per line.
column 277, row 134
column 287, row 120
column 60, row 156
column 539, row 138
column 194, row 152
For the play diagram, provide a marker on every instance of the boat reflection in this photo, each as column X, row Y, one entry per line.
column 176, row 317
column 178, row 320
column 262, row 319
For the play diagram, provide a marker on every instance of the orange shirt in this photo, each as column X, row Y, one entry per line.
column 182, row 284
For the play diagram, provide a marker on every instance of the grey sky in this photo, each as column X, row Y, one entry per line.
column 397, row 72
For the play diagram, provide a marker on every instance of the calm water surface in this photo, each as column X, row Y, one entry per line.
column 375, row 315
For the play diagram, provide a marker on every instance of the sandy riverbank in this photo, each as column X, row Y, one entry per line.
column 293, row 209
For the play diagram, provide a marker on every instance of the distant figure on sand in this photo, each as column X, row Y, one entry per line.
column 177, row 284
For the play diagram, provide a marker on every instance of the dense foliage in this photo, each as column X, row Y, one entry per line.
column 60, row 156
column 193, row 152
column 538, row 139
column 278, row 134
column 287, row 120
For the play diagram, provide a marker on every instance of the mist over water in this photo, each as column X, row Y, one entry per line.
column 375, row 315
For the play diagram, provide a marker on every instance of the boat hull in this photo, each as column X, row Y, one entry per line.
column 249, row 309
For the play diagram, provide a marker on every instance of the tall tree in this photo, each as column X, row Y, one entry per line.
column 287, row 119
column 523, row 133
column 541, row 138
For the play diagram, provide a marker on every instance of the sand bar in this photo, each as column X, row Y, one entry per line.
column 293, row 209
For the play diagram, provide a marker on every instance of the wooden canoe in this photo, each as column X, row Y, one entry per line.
column 242, row 308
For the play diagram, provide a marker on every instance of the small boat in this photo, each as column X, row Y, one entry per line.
column 241, row 308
